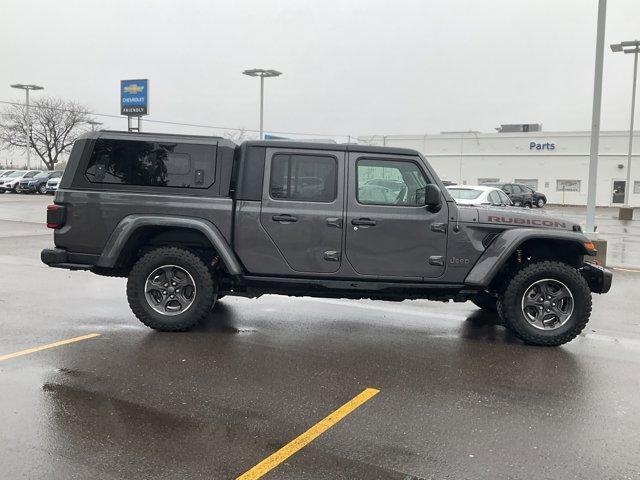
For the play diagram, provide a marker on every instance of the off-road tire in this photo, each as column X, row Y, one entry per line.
column 485, row 302
column 510, row 304
column 205, row 289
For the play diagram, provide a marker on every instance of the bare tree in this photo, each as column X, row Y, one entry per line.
column 55, row 124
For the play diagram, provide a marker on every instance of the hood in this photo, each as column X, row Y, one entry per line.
column 516, row 217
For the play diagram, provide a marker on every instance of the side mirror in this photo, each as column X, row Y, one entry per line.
column 432, row 197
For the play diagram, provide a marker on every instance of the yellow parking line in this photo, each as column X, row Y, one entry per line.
column 47, row 346
column 307, row 437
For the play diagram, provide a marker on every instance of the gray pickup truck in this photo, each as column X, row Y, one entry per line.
column 192, row 219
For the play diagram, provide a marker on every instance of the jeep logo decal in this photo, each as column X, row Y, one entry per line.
column 536, row 222
column 459, row 261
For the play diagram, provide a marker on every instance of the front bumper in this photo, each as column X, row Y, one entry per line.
column 27, row 188
column 598, row 278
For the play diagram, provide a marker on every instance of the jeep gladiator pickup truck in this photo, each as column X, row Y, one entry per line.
column 191, row 219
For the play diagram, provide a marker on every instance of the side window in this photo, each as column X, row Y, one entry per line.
column 494, row 198
column 305, row 178
column 152, row 164
column 516, row 189
column 503, row 198
column 507, row 189
column 389, row 182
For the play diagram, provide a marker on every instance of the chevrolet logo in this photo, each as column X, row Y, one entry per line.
column 133, row 89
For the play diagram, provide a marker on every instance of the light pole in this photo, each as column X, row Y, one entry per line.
column 27, row 88
column 629, row 47
column 259, row 72
column 595, row 121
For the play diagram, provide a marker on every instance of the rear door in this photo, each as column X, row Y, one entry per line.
column 389, row 231
column 303, row 206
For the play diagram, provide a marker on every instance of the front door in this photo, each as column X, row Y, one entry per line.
column 302, row 207
column 389, row 231
column 617, row 193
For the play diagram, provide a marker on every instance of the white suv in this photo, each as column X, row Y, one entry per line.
column 10, row 182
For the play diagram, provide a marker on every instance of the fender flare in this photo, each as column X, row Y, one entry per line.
column 501, row 249
column 129, row 224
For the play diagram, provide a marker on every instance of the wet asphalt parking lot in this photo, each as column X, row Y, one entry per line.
column 458, row 396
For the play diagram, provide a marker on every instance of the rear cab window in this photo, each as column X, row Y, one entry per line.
column 152, row 163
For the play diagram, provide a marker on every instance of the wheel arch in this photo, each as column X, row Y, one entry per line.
column 135, row 230
column 568, row 247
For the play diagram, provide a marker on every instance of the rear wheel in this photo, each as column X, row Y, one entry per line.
column 170, row 289
column 546, row 303
column 527, row 205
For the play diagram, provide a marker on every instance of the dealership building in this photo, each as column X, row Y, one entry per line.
column 554, row 163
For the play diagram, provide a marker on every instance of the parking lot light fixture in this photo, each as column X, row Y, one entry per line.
column 632, row 46
column 27, row 88
column 94, row 124
column 262, row 73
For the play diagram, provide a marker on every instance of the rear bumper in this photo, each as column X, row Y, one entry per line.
column 60, row 258
column 598, row 278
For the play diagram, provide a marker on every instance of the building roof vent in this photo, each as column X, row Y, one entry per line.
column 519, row 127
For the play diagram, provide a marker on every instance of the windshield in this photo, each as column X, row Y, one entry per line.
column 42, row 175
column 464, row 193
column 16, row 174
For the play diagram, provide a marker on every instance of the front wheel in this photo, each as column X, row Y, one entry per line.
column 546, row 303
column 170, row 289
column 540, row 202
column 42, row 189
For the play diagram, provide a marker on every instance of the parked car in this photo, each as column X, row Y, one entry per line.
column 479, row 195
column 38, row 183
column 539, row 199
column 521, row 197
column 52, row 185
column 12, row 182
column 120, row 213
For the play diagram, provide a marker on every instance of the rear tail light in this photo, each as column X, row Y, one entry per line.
column 56, row 216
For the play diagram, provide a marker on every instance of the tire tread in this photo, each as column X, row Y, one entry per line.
column 509, row 304
column 137, row 277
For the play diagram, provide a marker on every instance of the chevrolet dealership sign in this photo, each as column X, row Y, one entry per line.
column 134, row 97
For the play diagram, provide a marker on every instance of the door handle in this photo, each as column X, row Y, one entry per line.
column 365, row 222
column 284, row 218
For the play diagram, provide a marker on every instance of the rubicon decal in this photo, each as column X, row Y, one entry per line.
column 535, row 222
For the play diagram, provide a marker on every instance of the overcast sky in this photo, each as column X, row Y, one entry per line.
column 349, row 67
